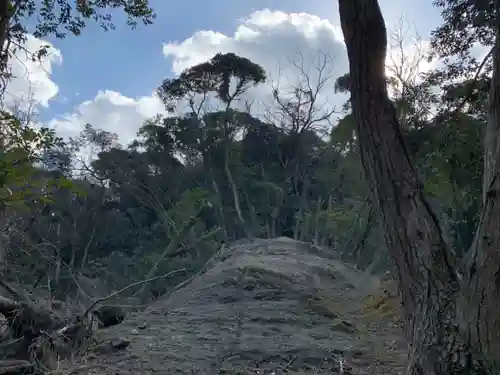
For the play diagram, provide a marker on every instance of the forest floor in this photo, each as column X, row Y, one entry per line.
column 261, row 307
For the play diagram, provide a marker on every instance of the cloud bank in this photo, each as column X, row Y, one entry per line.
column 286, row 45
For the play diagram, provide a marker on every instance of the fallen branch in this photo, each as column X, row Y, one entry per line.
column 76, row 325
column 15, row 291
column 59, row 257
column 22, row 315
column 7, row 306
column 172, row 245
column 11, row 366
column 103, row 299
column 26, row 317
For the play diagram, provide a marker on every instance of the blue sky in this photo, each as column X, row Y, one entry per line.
column 132, row 63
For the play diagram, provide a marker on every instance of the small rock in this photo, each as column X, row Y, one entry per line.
column 112, row 346
column 109, row 315
column 119, row 343
column 142, row 326
column 135, row 331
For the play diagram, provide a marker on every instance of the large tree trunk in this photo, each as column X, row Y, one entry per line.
column 480, row 302
column 425, row 265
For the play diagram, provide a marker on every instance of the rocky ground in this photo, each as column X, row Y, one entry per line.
column 258, row 307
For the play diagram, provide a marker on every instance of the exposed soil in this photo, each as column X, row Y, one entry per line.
column 262, row 306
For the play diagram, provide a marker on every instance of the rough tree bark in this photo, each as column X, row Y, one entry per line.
column 452, row 319
column 480, row 303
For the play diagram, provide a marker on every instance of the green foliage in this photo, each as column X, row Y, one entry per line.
column 61, row 17
column 213, row 76
column 342, row 135
column 20, row 148
column 133, row 202
column 466, row 23
column 450, row 157
column 189, row 205
column 58, row 18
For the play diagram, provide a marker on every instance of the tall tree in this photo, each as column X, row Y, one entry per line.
column 463, row 75
column 451, row 313
column 228, row 77
column 53, row 18
column 298, row 109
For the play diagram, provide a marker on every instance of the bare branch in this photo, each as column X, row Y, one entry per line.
column 300, row 105
column 104, row 299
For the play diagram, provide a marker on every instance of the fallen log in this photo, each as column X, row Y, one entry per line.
column 23, row 317
column 10, row 366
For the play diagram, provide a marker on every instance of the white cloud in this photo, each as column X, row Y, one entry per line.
column 31, row 82
column 265, row 37
column 109, row 111
column 269, row 38
column 279, row 42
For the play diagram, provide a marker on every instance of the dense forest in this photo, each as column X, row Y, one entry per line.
column 196, row 178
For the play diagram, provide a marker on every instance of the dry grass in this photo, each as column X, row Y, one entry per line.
column 323, row 303
column 383, row 303
column 378, row 332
